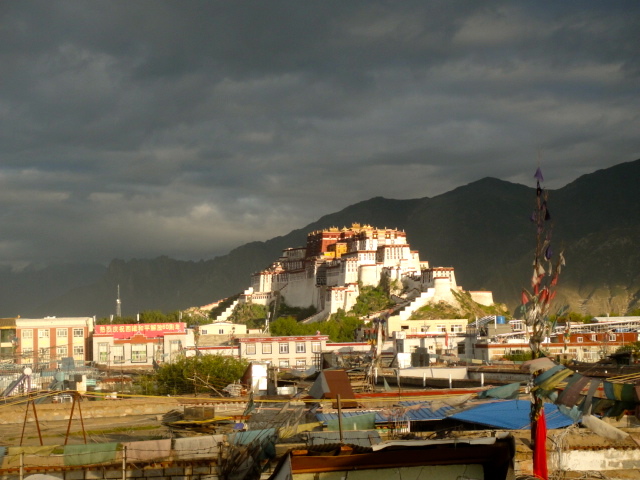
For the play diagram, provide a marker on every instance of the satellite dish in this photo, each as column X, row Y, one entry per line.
column 27, row 371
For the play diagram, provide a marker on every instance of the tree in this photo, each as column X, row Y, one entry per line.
column 299, row 313
column 289, row 326
column 250, row 314
column 199, row 374
column 371, row 299
column 340, row 327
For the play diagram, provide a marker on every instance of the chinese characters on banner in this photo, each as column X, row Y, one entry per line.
column 146, row 329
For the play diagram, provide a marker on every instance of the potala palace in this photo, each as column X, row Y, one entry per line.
column 327, row 272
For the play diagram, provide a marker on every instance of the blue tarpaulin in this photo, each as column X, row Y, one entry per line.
column 511, row 415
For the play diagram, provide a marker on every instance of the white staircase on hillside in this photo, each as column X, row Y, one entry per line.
column 224, row 316
column 318, row 317
column 420, row 301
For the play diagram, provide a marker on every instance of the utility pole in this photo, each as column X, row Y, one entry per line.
column 118, row 304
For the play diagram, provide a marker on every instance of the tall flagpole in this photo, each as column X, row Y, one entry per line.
column 536, row 303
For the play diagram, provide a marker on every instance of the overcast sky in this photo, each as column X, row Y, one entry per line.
column 132, row 129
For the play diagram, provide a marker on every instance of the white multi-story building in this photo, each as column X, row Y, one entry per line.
column 328, row 272
column 228, row 329
column 284, row 352
column 139, row 345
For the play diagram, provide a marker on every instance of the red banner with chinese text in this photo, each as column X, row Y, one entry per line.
column 146, row 329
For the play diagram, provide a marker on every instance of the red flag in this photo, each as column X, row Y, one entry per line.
column 544, row 295
column 524, row 298
column 540, row 448
column 446, row 339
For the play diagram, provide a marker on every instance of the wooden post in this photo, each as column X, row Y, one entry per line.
column 124, row 463
column 24, row 424
column 84, row 434
column 73, row 407
column 340, row 418
column 35, row 414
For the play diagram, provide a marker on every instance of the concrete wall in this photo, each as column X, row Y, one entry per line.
column 223, row 328
column 106, row 408
column 483, row 298
column 194, row 470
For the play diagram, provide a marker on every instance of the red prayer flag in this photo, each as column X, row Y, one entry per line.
column 544, row 295
column 540, row 448
column 525, row 299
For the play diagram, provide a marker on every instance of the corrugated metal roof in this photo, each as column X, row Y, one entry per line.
column 391, row 415
column 512, row 415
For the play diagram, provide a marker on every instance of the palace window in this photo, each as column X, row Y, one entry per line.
column 62, row 332
column 300, row 347
column 456, row 328
column 78, row 332
column 251, row 349
column 266, row 348
column 580, row 339
column 284, row 363
column 284, row 348
column 316, row 347
column 300, row 363
column 612, row 337
column 441, row 328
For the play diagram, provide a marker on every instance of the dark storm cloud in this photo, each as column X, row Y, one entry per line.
column 185, row 128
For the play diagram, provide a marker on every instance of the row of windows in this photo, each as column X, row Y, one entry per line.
column 60, row 332
column 439, row 328
column 301, row 347
column 300, row 363
column 138, row 353
column 61, row 352
column 594, row 338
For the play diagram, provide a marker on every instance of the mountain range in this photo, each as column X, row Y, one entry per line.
column 483, row 229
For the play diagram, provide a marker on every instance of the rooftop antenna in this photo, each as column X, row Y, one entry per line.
column 118, row 304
